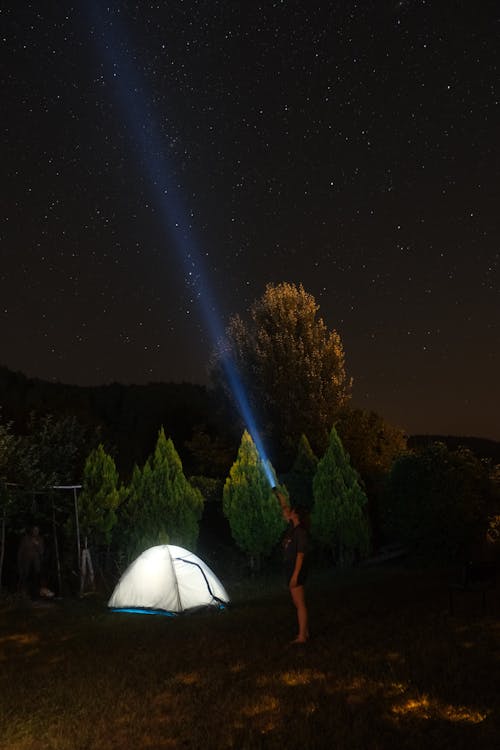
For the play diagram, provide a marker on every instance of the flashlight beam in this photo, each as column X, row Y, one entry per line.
column 149, row 144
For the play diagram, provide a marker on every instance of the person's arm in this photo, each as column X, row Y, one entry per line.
column 299, row 561
column 285, row 508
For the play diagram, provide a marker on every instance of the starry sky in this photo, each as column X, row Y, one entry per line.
column 162, row 160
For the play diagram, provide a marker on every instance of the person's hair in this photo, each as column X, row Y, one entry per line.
column 303, row 513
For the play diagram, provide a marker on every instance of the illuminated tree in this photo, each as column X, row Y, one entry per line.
column 97, row 511
column 160, row 504
column 141, row 523
column 167, row 483
column 250, row 506
column 99, row 498
column 292, row 366
column 339, row 522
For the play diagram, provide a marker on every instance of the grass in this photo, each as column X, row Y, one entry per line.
column 387, row 667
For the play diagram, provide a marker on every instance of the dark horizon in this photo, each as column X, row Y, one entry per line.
column 412, row 435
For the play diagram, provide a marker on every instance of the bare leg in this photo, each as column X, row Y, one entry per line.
column 298, row 598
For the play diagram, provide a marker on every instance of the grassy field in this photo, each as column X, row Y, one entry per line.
column 387, row 667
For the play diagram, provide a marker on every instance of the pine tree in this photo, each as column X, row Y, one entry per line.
column 254, row 515
column 161, row 506
column 143, row 523
column 168, row 486
column 99, row 498
column 339, row 522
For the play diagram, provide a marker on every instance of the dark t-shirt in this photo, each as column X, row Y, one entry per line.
column 295, row 540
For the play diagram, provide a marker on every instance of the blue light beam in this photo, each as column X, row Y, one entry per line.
column 149, row 143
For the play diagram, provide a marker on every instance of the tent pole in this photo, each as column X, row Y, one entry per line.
column 77, row 529
column 56, row 548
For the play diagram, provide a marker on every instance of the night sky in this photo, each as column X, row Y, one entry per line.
column 349, row 146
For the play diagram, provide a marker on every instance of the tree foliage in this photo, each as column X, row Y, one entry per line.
column 494, row 509
column 140, row 523
column 52, row 452
column 8, row 446
column 249, row 505
column 160, row 504
column 339, row 522
column 211, row 455
column 299, row 480
column 292, row 366
column 373, row 445
column 437, row 502
column 99, row 499
column 129, row 416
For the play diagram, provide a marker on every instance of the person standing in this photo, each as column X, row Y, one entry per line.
column 30, row 564
column 29, row 561
column 295, row 557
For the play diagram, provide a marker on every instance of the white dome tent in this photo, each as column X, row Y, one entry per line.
column 167, row 579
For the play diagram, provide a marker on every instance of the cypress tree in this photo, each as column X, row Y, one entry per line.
column 171, row 496
column 97, row 505
column 160, row 505
column 99, row 498
column 339, row 523
column 143, row 521
column 249, row 505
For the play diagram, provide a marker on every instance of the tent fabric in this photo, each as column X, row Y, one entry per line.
column 167, row 578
